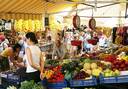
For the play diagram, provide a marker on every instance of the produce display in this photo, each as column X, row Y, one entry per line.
column 81, row 75
column 108, row 73
column 54, row 75
column 89, row 66
column 28, row 25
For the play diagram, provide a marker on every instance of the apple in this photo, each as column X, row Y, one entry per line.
column 94, row 66
column 116, row 72
column 96, row 72
column 87, row 66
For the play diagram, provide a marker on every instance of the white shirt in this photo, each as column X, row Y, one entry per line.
column 102, row 41
column 3, row 45
column 36, row 52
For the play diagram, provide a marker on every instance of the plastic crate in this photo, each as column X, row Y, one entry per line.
column 122, row 79
column 57, row 85
column 107, row 80
column 44, row 82
column 1, row 87
column 82, row 83
column 13, row 79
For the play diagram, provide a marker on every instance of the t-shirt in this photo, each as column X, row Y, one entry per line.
column 3, row 45
column 59, row 52
column 36, row 53
column 7, row 52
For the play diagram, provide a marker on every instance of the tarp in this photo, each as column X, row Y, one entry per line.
column 33, row 9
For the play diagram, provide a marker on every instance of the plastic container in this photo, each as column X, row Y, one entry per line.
column 58, row 85
column 1, row 87
column 76, row 42
column 44, row 82
column 82, row 83
column 13, row 79
column 107, row 80
column 122, row 79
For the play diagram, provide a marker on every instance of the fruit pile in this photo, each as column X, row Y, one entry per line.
column 110, row 58
column 57, row 76
column 121, row 65
column 92, row 69
column 48, row 73
column 81, row 75
column 108, row 72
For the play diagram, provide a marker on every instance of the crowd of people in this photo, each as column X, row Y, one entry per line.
column 67, row 44
column 32, row 62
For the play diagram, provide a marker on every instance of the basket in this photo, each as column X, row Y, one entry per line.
column 13, row 79
column 76, row 43
column 92, row 41
column 58, row 85
column 107, row 80
column 82, row 83
column 122, row 79
column 44, row 82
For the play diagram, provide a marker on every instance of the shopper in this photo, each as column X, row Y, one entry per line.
column 64, row 31
column 48, row 32
column 58, row 50
column 10, row 53
column 34, row 58
column 3, row 44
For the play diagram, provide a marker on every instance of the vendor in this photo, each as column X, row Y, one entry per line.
column 10, row 53
column 58, row 50
column 34, row 58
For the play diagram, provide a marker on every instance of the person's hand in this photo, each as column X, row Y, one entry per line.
column 41, row 75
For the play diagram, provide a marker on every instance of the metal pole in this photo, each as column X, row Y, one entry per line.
column 92, row 2
column 98, row 16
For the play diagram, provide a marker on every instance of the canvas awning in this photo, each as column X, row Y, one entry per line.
column 33, row 9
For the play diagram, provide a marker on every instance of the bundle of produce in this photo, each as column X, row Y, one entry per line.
column 51, row 63
column 30, row 85
column 71, row 66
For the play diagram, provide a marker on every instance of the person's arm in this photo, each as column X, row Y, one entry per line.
column 29, row 57
column 42, row 65
column 53, row 53
column 19, row 64
column 64, row 51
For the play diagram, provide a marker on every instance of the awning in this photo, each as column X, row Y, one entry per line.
column 33, row 9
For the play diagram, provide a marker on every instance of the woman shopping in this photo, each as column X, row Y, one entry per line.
column 34, row 58
column 10, row 53
column 58, row 50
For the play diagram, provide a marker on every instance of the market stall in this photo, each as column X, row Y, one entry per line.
column 81, row 50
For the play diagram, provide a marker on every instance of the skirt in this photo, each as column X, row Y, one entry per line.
column 4, row 63
column 33, row 76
